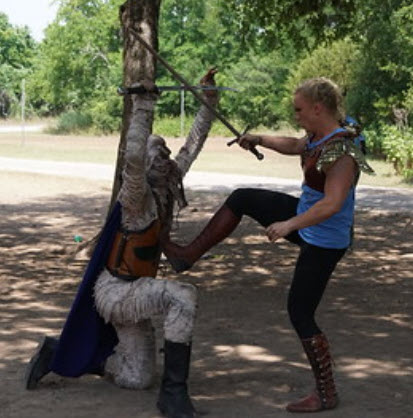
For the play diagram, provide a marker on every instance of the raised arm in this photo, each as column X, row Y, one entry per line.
column 200, row 128
column 135, row 195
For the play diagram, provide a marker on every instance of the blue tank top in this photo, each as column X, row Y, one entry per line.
column 334, row 232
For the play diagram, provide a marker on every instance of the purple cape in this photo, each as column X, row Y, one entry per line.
column 86, row 340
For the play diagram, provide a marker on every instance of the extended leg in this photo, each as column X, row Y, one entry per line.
column 264, row 206
column 219, row 227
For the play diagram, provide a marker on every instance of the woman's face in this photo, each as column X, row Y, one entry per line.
column 305, row 112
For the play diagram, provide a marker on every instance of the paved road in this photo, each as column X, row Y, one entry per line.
column 392, row 199
column 21, row 128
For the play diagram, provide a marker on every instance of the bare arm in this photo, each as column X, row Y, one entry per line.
column 339, row 179
column 287, row 145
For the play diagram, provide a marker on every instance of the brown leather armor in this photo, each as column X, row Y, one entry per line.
column 135, row 254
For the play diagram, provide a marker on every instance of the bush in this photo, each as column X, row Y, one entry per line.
column 393, row 144
column 72, row 122
column 106, row 116
column 398, row 148
column 374, row 141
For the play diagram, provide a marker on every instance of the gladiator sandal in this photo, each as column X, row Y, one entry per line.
column 218, row 228
column 325, row 394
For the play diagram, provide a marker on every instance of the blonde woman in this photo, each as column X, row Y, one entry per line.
column 319, row 222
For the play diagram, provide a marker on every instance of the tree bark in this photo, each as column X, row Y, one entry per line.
column 138, row 65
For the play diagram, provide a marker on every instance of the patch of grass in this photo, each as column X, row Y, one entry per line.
column 73, row 148
column 177, row 127
column 216, row 156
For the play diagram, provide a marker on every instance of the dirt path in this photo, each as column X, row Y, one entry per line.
column 383, row 198
column 247, row 362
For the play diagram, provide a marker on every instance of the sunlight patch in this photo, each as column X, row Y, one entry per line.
column 247, row 352
column 361, row 368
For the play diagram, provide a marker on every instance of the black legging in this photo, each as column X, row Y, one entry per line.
column 314, row 264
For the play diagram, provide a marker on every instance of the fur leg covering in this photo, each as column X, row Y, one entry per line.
column 127, row 305
column 133, row 364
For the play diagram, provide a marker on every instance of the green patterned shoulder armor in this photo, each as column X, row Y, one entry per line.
column 343, row 146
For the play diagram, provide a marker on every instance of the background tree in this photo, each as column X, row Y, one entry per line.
column 79, row 62
column 194, row 35
column 304, row 22
column 338, row 61
column 261, row 47
column 383, row 32
column 261, row 80
column 17, row 49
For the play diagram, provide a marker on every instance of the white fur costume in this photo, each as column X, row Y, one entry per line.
column 151, row 185
column 129, row 306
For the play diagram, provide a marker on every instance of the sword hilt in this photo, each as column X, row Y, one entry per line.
column 233, row 141
column 252, row 149
column 258, row 154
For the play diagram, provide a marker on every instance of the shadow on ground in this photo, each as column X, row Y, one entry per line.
column 247, row 361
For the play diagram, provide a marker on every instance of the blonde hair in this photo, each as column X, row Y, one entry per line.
column 323, row 90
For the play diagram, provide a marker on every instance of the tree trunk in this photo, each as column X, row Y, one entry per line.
column 138, row 65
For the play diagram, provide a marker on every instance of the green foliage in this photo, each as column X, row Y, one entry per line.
column 398, row 148
column 383, row 31
column 261, row 81
column 195, row 35
column 17, row 49
column 71, row 122
column 106, row 113
column 171, row 127
column 393, row 143
column 336, row 61
column 374, row 140
column 80, row 57
column 304, row 22
column 262, row 47
column 404, row 24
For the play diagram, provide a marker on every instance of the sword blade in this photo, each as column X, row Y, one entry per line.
column 184, row 82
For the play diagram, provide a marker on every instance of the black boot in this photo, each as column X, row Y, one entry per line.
column 39, row 365
column 174, row 400
column 218, row 228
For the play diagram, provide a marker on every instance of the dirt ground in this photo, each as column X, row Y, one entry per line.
column 247, row 361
